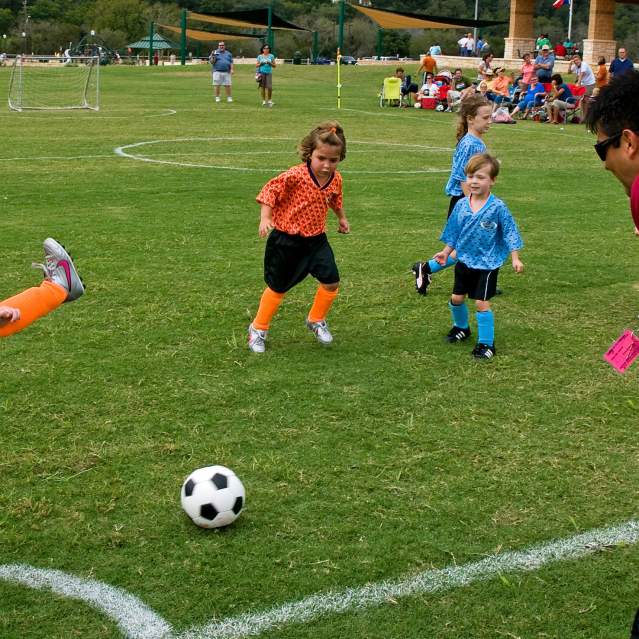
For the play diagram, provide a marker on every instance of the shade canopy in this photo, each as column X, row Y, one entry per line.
column 210, row 36
column 159, row 42
column 400, row 20
column 257, row 18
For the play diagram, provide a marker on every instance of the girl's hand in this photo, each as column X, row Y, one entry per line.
column 8, row 315
column 266, row 226
column 440, row 258
column 518, row 265
column 343, row 226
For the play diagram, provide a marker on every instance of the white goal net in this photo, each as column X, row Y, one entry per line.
column 52, row 83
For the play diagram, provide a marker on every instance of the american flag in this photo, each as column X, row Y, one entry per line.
column 557, row 4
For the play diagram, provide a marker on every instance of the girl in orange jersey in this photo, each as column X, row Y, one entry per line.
column 294, row 206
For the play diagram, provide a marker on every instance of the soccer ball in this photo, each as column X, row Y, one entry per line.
column 213, row 496
column 439, row 107
column 418, row 105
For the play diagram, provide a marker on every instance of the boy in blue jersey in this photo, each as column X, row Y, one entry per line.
column 482, row 231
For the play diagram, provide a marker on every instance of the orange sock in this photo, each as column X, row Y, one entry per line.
column 321, row 304
column 269, row 304
column 33, row 304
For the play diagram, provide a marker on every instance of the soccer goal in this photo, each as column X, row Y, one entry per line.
column 52, row 83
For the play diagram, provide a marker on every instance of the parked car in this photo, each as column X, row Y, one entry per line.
column 348, row 59
column 323, row 61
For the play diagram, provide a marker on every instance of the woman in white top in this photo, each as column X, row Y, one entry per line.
column 485, row 69
column 429, row 88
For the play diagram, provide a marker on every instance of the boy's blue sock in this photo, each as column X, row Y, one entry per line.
column 485, row 328
column 459, row 313
column 435, row 266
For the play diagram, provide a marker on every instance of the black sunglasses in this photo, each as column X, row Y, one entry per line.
column 602, row 146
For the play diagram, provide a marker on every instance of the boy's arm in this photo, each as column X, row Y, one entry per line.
column 442, row 256
column 266, row 219
column 518, row 265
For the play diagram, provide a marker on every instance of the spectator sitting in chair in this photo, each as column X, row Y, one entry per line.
column 484, row 90
column 533, row 97
column 457, row 85
column 559, row 100
column 429, row 88
column 544, row 63
column 409, row 88
column 501, row 87
column 454, row 102
column 518, row 91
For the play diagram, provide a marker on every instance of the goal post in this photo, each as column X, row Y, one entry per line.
column 54, row 83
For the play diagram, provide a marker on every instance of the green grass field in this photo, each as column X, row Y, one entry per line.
column 385, row 455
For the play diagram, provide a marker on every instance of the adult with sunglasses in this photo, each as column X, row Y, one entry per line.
column 614, row 118
column 265, row 65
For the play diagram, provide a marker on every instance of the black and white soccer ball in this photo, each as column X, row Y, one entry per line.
column 213, row 496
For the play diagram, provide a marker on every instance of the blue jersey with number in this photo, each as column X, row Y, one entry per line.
column 482, row 239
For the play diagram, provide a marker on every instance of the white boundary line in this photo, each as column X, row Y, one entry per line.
column 122, row 151
column 98, row 115
column 135, row 619
column 429, row 581
column 138, row 621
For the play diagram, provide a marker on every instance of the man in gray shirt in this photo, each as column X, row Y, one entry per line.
column 544, row 63
column 222, row 61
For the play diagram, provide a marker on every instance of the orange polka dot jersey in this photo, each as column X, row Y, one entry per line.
column 299, row 203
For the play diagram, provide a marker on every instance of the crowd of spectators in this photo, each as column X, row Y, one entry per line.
column 535, row 90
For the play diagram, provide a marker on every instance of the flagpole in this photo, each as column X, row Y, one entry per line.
column 569, row 20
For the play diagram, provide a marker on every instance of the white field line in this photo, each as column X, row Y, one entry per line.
column 138, row 621
column 135, row 619
column 429, row 581
column 123, row 152
column 100, row 116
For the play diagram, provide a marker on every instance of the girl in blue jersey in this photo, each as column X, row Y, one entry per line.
column 474, row 122
column 482, row 231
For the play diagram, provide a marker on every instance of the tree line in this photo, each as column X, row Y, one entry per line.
column 50, row 25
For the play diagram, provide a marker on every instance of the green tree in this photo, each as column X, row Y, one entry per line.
column 7, row 20
column 361, row 37
column 127, row 16
column 49, row 37
column 46, row 10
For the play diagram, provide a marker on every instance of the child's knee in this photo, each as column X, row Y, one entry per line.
column 456, row 300
column 482, row 305
column 330, row 287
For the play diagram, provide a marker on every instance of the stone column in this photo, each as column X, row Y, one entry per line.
column 601, row 31
column 521, row 35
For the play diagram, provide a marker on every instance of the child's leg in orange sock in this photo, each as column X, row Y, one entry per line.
column 322, row 303
column 269, row 304
column 33, row 304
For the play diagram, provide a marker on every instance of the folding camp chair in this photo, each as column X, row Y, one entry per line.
column 391, row 94
column 574, row 112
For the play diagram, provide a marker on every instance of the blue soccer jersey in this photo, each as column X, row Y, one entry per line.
column 482, row 239
column 468, row 146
